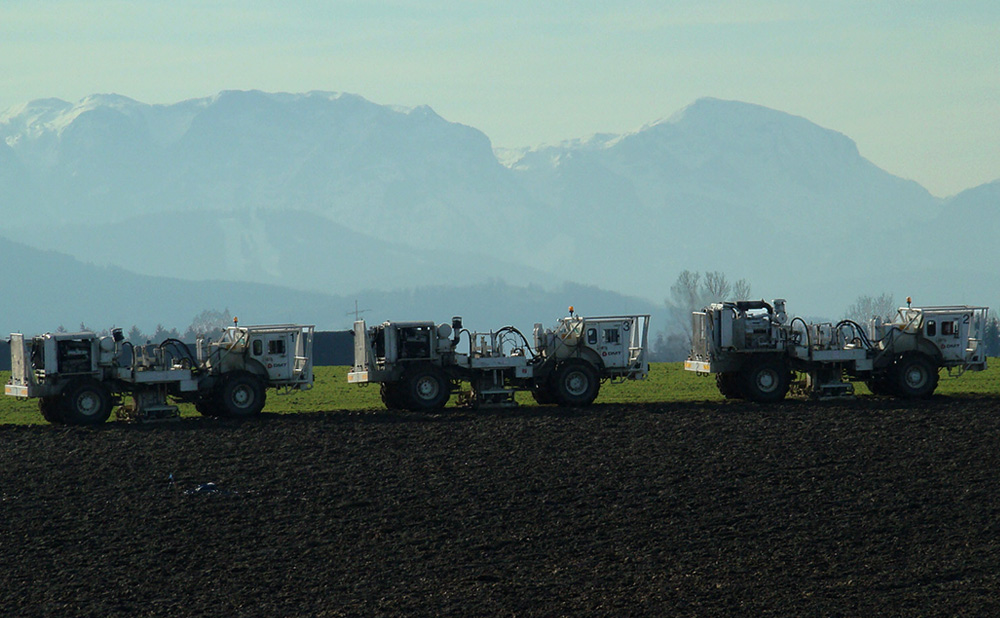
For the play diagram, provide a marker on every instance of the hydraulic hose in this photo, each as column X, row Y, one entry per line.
column 805, row 327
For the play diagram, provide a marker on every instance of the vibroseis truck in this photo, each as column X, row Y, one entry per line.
column 755, row 351
column 79, row 377
column 419, row 364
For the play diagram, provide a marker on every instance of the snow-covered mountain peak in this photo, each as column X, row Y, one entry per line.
column 711, row 130
column 422, row 112
column 749, row 124
column 33, row 111
column 114, row 101
column 33, row 116
column 31, row 120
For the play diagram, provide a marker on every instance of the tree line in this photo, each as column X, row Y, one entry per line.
column 209, row 323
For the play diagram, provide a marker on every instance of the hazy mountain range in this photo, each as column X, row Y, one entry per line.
column 291, row 206
column 46, row 290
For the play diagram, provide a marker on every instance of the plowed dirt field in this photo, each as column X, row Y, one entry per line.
column 865, row 508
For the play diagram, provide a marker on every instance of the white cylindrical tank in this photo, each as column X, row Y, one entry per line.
column 779, row 311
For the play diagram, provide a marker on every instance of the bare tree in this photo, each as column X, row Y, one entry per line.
column 691, row 292
column 684, row 293
column 716, row 286
column 741, row 290
column 882, row 307
column 209, row 322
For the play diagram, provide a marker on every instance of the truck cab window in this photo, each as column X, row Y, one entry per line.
column 931, row 328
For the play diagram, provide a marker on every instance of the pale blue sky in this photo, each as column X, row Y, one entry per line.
column 915, row 83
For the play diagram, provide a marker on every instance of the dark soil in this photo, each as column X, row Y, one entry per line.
column 865, row 508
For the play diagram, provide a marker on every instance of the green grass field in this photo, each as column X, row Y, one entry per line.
column 666, row 382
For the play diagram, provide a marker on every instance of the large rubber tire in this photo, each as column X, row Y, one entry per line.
column 914, row 376
column 765, row 382
column 880, row 385
column 51, row 409
column 425, row 388
column 242, row 395
column 542, row 395
column 729, row 385
column 207, row 407
column 85, row 402
column 392, row 396
column 575, row 384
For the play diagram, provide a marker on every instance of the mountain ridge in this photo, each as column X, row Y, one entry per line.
column 106, row 296
column 411, row 197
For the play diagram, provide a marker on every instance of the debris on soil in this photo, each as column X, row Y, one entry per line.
column 208, row 488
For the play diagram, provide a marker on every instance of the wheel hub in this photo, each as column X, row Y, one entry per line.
column 88, row 404
column 576, row 383
column 243, row 396
column 915, row 377
column 427, row 388
column 767, row 381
